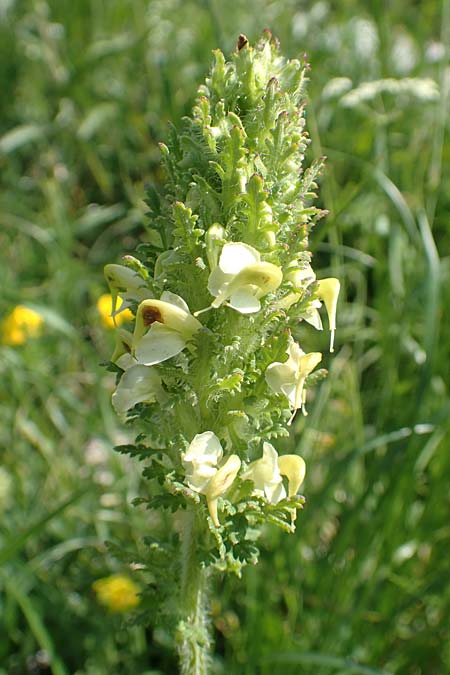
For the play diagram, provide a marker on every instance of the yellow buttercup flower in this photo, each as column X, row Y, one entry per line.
column 117, row 592
column 22, row 323
column 104, row 307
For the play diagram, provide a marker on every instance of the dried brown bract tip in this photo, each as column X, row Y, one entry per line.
column 242, row 41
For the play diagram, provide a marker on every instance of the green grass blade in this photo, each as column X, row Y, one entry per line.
column 314, row 658
column 15, row 543
column 42, row 636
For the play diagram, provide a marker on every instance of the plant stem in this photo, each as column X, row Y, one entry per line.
column 194, row 640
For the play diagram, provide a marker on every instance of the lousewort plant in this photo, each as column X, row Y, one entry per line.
column 212, row 374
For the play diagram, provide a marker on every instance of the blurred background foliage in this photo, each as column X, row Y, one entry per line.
column 87, row 90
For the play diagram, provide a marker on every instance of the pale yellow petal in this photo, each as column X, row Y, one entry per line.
column 294, row 468
column 220, row 483
column 328, row 291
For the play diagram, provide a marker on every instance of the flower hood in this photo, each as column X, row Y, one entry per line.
column 127, row 284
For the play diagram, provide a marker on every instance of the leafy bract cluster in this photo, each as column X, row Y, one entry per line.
column 212, row 373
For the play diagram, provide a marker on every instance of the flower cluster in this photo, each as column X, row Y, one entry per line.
column 164, row 327
column 213, row 366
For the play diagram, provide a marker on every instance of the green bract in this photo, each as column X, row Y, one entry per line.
column 213, row 367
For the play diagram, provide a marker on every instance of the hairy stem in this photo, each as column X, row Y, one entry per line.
column 194, row 640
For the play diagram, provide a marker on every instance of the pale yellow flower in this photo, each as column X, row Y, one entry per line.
column 163, row 329
column 20, row 324
column 214, row 239
column 104, row 307
column 302, row 278
column 266, row 474
column 289, row 378
column 206, row 472
column 327, row 291
column 117, row 592
column 240, row 279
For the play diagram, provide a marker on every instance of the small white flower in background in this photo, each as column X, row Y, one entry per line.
column 266, row 474
column 96, row 451
column 127, row 284
column 163, row 328
column 289, row 378
column 336, row 87
column 204, row 471
column 138, row 384
column 240, row 279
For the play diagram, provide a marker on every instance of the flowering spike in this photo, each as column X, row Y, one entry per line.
column 230, row 230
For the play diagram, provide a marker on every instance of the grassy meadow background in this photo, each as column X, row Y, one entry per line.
column 87, row 89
